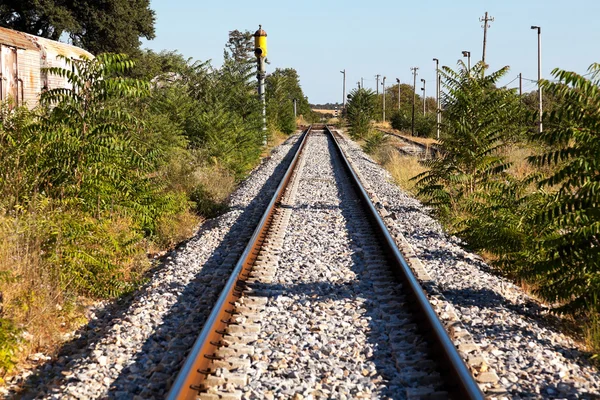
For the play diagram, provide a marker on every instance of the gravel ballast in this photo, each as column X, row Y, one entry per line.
column 335, row 323
column 516, row 335
column 134, row 350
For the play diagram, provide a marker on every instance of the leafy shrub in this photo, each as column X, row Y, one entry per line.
column 360, row 112
column 478, row 119
column 374, row 142
column 566, row 261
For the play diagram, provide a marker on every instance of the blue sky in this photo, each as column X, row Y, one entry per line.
column 320, row 38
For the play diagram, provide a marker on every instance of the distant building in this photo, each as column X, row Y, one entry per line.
column 22, row 58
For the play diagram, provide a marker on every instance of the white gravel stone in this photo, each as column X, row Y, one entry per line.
column 515, row 332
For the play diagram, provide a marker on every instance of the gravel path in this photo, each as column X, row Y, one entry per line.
column 514, row 332
column 135, row 349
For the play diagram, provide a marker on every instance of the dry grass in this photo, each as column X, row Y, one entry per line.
column 321, row 111
column 217, row 181
column 517, row 155
column 174, row 229
column 402, row 168
column 31, row 292
column 387, row 127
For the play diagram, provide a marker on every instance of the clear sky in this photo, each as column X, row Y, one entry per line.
column 320, row 38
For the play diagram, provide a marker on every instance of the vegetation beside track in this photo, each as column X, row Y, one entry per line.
column 528, row 200
column 102, row 177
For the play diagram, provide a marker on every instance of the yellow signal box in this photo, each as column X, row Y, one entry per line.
column 260, row 43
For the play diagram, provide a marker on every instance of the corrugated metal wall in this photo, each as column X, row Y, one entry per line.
column 22, row 56
column 29, row 73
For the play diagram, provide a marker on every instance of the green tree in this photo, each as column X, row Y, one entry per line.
column 478, row 121
column 98, row 26
column 360, row 111
column 283, row 86
column 566, row 260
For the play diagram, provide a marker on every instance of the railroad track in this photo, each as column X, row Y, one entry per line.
column 412, row 147
column 322, row 303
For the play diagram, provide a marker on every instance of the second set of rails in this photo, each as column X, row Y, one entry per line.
column 242, row 352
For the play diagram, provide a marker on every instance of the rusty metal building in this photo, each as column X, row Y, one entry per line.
column 22, row 58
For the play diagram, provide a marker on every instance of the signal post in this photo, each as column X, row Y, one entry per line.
column 260, row 50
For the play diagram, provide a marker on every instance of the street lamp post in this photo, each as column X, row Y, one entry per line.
column 437, row 96
column 467, row 54
column 398, row 80
column 383, row 83
column 424, row 98
column 414, row 71
column 344, row 90
column 539, row 31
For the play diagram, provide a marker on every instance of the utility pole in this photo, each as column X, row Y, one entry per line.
column 521, row 86
column 414, row 70
column 344, row 95
column 539, row 30
column 424, row 98
column 358, row 84
column 398, row 80
column 383, row 83
column 377, row 83
column 362, row 83
column 438, row 112
column 485, row 27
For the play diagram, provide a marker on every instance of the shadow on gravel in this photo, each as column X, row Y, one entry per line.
column 155, row 366
column 489, row 301
column 320, row 293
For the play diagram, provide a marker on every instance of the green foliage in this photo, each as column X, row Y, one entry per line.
column 567, row 258
column 375, row 140
column 401, row 121
column 9, row 340
column 478, row 120
column 360, row 111
column 424, row 124
column 283, row 86
column 98, row 26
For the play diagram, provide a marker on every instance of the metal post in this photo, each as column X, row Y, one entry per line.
column 383, row 83
column 398, row 80
column 295, row 108
column 344, row 96
column 362, row 83
column 424, row 96
column 438, row 112
column 377, row 83
column 261, row 94
column 414, row 70
column 521, row 86
column 467, row 54
column 260, row 51
column 541, row 110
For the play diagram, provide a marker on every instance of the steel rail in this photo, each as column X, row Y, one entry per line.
column 459, row 381
column 429, row 148
column 188, row 383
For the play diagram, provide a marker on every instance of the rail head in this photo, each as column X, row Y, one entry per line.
column 188, row 382
column 456, row 374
